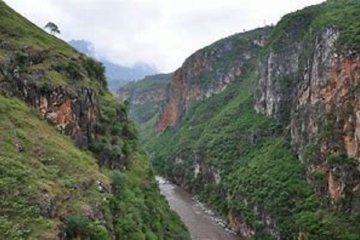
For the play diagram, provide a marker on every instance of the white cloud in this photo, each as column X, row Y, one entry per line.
column 159, row 32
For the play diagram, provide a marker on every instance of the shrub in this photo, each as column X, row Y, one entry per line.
column 96, row 70
column 71, row 69
column 21, row 59
column 118, row 181
column 82, row 227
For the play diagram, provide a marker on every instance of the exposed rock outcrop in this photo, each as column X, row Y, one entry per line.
column 320, row 102
column 73, row 113
column 201, row 75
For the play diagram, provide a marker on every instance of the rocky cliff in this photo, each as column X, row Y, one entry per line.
column 73, row 112
column 209, row 71
column 277, row 152
column 312, row 87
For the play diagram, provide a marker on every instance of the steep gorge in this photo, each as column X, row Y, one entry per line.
column 277, row 151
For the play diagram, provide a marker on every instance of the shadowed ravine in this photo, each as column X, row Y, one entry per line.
column 200, row 224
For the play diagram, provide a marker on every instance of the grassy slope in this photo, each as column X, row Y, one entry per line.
column 50, row 164
column 51, row 171
column 25, row 32
column 63, row 65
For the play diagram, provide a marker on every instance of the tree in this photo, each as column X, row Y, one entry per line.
column 52, row 27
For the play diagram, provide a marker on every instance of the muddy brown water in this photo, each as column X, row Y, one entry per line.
column 201, row 225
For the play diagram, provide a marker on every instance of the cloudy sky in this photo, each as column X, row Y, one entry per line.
column 159, row 32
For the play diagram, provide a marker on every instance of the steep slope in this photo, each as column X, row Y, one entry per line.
column 210, row 71
column 52, row 190
column 145, row 97
column 276, row 150
column 94, row 183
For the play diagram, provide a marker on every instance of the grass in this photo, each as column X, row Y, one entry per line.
column 50, row 163
column 16, row 28
column 48, row 186
column 61, row 64
column 305, row 24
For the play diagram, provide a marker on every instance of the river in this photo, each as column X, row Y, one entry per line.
column 200, row 222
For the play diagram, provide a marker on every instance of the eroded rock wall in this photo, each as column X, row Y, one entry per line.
column 314, row 90
column 209, row 71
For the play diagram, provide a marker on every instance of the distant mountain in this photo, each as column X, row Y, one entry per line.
column 84, row 47
column 116, row 75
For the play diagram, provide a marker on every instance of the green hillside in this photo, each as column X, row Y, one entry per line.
column 49, row 187
column 70, row 164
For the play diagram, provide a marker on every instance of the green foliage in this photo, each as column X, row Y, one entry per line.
column 153, row 82
column 71, row 69
column 95, row 70
column 116, row 136
column 260, row 176
column 27, row 174
column 47, row 184
column 141, row 212
column 323, row 225
column 52, row 27
column 21, row 58
column 253, row 156
column 60, row 169
column 306, row 24
column 15, row 28
column 84, row 228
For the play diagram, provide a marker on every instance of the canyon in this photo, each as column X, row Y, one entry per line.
column 263, row 126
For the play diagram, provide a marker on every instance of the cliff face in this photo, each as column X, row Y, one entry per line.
column 278, row 151
column 209, row 71
column 146, row 96
column 74, row 110
column 74, row 114
column 321, row 107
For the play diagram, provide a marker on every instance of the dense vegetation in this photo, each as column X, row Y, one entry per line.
column 342, row 14
column 45, row 178
column 241, row 163
column 103, row 188
column 252, row 155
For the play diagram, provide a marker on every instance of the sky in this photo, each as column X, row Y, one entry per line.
column 162, row 33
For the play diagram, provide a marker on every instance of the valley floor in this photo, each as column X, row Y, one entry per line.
column 201, row 224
